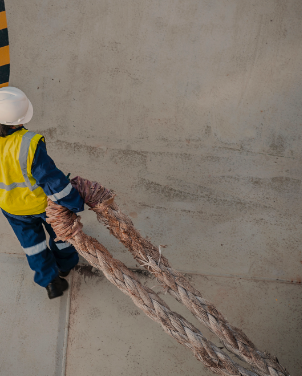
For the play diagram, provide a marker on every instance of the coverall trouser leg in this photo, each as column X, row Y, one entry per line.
column 45, row 261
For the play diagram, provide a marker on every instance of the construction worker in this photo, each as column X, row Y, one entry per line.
column 27, row 177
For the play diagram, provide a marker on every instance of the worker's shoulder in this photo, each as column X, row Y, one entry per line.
column 37, row 141
column 36, row 137
column 25, row 133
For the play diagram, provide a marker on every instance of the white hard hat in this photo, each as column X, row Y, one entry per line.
column 15, row 107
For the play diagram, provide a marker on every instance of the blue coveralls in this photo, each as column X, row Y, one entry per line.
column 46, row 261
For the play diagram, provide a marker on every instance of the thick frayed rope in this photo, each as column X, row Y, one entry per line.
column 67, row 226
column 172, row 281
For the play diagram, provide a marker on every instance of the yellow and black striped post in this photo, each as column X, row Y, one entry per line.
column 4, row 47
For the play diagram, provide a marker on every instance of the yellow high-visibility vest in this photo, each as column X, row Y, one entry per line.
column 19, row 193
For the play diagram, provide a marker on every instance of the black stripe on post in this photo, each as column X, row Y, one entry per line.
column 3, row 38
column 4, row 74
column 2, row 6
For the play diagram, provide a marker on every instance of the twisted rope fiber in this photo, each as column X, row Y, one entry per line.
column 68, row 227
column 101, row 201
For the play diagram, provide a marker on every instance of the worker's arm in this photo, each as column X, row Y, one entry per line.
column 53, row 182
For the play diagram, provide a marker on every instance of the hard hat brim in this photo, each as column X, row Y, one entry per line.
column 29, row 113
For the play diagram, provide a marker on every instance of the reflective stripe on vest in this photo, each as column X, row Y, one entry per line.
column 12, row 186
column 25, row 144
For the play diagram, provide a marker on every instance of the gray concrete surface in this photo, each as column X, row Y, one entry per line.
column 110, row 336
column 32, row 328
column 191, row 112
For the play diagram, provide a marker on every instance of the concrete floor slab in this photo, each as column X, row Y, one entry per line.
column 9, row 241
column 32, row 327
column 109, row 336
column 268, row 312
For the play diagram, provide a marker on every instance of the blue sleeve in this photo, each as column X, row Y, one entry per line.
column 53, row 182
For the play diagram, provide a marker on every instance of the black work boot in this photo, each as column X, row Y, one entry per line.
column 64, row 274
column 56, row 287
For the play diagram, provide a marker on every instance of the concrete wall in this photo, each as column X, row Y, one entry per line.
column 189, row 110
